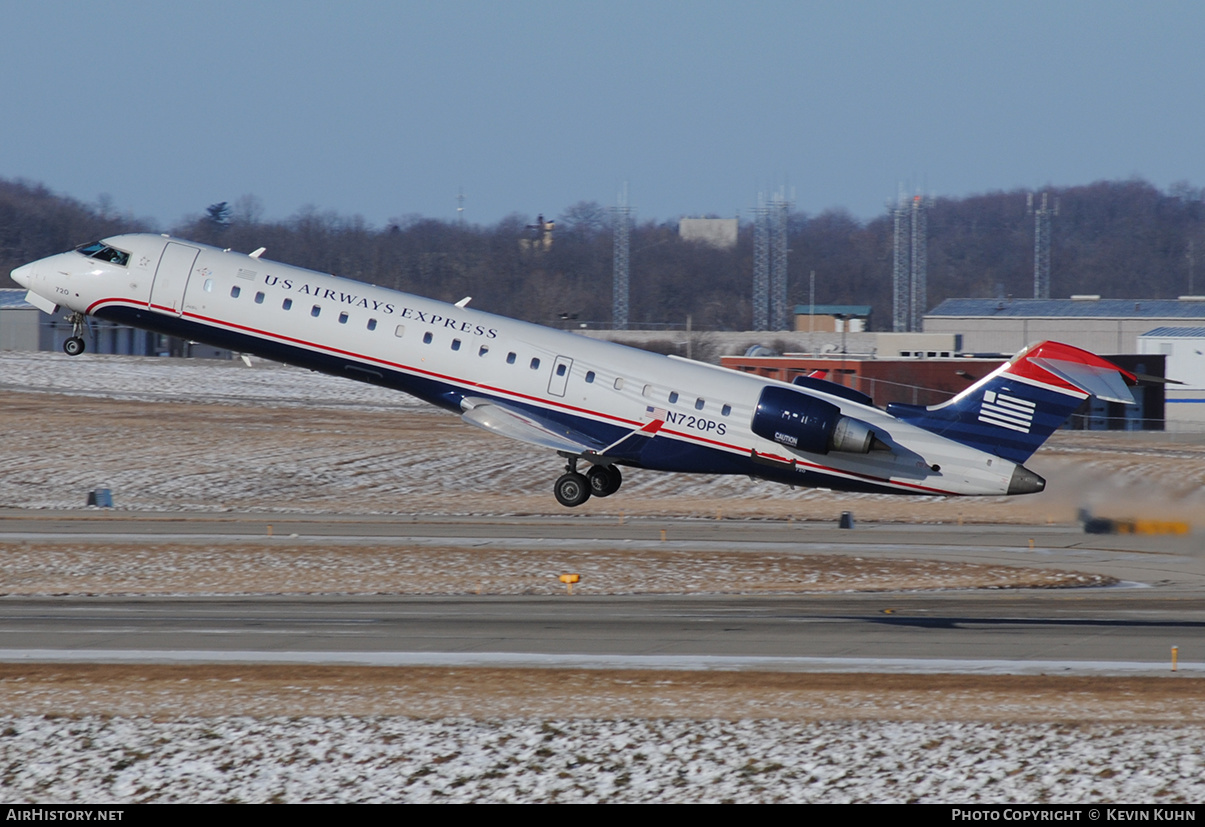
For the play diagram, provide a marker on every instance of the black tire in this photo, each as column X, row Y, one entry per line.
column 571, row 489
column 604, row 480
column 616, row 478
column 73, row 346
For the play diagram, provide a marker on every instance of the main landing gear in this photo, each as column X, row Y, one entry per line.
column 572, row 489
column 75, row 345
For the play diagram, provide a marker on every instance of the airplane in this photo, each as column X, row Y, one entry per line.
column 599, row 405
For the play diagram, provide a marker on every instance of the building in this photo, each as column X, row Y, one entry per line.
column 925, row 381
column 1184, row 350
column 1089, row 322
column 21, row 324
column 718, row 232
column 25, row 327
column 832, row 318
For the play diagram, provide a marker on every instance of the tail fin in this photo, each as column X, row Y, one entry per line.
column 1015, row 408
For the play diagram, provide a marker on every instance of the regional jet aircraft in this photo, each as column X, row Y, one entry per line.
column 599, row 405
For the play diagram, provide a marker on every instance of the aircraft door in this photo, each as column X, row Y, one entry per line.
column 560, row 376
column 171, row 277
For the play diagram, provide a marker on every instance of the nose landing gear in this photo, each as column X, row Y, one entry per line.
column 74, row 346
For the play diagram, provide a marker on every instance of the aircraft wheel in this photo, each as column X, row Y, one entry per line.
column 571, row 489
column 604, row 480
column 74, row 346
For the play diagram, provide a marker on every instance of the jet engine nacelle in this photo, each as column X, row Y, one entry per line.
column 806, row 423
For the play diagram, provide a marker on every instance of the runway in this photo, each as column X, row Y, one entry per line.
column 841, row 632
column 1124, row 630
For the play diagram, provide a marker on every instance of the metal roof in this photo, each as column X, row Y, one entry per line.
column 833, row 309
column 1083, row 308
column 1176, row 332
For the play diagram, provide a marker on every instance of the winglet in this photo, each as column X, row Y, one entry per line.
column 651, row 428
column 648, row 429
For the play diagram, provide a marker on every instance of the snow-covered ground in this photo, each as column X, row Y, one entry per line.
column 388, row 759
column 280, row 439
column 151, row 379
column 275, row 438
column 281, row 565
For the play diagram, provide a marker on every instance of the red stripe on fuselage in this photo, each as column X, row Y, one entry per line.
column 500, row 391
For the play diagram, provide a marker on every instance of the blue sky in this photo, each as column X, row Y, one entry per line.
column 385, row 109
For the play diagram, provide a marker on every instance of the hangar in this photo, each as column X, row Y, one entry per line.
column 1090, row 322
column 1184, row 350
column 25, row 327
column 919, row 380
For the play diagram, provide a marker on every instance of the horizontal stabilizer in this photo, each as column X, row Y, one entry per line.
column 512, row 422
column 1102, row 382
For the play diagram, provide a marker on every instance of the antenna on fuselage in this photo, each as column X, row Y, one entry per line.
column 259, row 252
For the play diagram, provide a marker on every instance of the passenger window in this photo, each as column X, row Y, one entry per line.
column 259, row 298
column 372, row 324
column 560, row 370
column 589, row 377
column 510, row 358
column 342, row 318
column 427, row 338
column 535, row 363
column 455, row 344
column 315, row 310
column 699, row 404
column 208, row 286
column 647, row 390
column 399, row 331
column 287, row 304
column 673, row 397
column 618, row 383
column 484, row 349
column 234, row 291
column 727, row 409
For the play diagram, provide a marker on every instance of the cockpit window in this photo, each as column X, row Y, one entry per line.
column 102, row 252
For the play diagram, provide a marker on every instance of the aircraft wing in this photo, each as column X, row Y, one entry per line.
column 498, row 418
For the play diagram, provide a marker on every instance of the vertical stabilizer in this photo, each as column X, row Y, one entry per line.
column 1014, row 409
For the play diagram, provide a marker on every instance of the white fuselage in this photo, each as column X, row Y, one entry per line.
column 445, row 354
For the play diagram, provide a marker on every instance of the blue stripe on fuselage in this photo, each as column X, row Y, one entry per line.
column 661, row 453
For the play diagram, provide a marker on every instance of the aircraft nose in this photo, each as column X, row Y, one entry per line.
column 23, row 275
